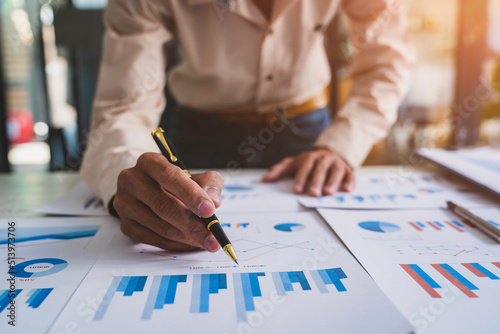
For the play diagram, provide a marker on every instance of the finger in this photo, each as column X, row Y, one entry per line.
column 302, row 175
column 168, row 208
column 279, row 170
column 349, row 181
column 139, row 233
column 335, row 178
column 212, row 182
column 319, row 175
column 176, row 182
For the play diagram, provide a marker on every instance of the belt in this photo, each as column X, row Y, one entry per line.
column 314, row 103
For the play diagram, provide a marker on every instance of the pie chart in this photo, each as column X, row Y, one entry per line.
column 379, row 227
column 38, row 267
column 289, row 227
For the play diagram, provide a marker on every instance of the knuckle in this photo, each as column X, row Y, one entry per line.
column 126, row 178
column 165, row 208
column 146, row 159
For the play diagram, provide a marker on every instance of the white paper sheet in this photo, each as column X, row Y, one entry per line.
column 419, row 258
column 246, row 193
column 43, row 263
column 283, row 285
column 401, row 191
column 79, row 201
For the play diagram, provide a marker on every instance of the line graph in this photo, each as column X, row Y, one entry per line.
column 446, row 250
column 247, row 249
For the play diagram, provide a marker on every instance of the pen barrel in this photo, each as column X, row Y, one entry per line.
column 215, row 227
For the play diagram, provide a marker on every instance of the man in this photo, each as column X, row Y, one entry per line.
column 248, row 65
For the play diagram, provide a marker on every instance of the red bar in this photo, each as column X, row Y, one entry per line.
column 455, row 227
column 468, row 292
column 434, row 225
column 433, row 293
column 496, row 264
column 415, row 226
column 473, row 270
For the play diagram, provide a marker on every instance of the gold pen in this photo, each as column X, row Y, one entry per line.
column 212, row 223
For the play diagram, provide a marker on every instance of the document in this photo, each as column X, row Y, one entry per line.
column 44, row 261
column 440, row 272
column 79, row 201
column 394, row 190
column 247, row 193
column 294, row 277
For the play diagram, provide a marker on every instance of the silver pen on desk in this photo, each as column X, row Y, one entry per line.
column 479, row 222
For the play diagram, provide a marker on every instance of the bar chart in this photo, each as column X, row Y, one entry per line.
column 35, row 297
column 452, row 275
column 242, row 288
column 437, row 225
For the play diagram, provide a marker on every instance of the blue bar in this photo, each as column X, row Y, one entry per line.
column 340, row 199
column 129, row 290
column 457, row 223
column 150, row 302
column 222, row 281
column 214, row 283
column 336, row 280
column 195, row 294
column 123, row 284
column 324, row 276
column 360, row 199
column 319, row 282
column 293, row 277
column 459, row 277
column 286, row 281
column 301, row 278
column 162, row 293
column 278, row 283
column 239, row 298
column 340, row 273
column 439, row 224
column 89, row 202
column 40, row 297
column 107, row 298
column 247, row 292
column 5, row 299
column 141, row 282
column 254, row 282
column 420, row 224
column 171, row 289
column 409, row 196
column 424, row 276
column 391, row 198
column 485, row 271
column 204, row 292
column 30, row 293
column 33, row 296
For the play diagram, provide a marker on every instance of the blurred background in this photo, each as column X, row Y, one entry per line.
column 50, row 51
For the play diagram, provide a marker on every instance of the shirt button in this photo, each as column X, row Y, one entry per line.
column 269, row 77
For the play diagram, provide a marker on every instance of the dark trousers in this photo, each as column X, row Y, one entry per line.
column 206, row 141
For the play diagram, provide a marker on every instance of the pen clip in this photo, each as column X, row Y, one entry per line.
column 158, row 133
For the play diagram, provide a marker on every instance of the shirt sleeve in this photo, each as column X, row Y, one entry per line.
column 130, row 92
column 380, row 70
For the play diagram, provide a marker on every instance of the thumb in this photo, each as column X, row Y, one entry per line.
column 212, row 182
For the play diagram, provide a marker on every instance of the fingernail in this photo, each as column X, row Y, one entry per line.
column 214, row 194
column 299, row 189
column 211, row 244
column 206, row 208
column 315, row 191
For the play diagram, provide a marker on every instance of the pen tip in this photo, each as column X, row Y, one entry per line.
column 236, row 262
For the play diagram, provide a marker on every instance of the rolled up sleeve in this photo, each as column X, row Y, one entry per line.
column 380, row 71
column 130, row 92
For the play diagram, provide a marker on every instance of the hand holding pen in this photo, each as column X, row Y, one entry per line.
column 160, row 205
